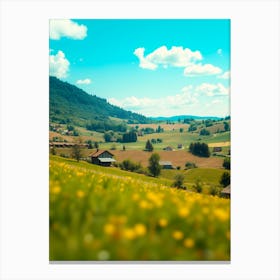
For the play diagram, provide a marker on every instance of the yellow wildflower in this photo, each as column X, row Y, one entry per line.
column 140, row 229
column 183, row 212
column 109, row 229
column 178, row 235
column 129, row 233
column 188, row 242
column 80, row 194
column 118, row 219
column 221, row 214
column 144, row 204
column 163, row 222
column 55, row 189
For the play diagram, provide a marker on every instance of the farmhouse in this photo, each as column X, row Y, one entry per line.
column 226, row 192
column 103, row 158
column 217, row 149
column 168, row 148
column 166, row 164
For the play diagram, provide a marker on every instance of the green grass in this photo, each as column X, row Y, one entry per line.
column 102, row 214
column 219, row 137
column 169, row 138
column 207, row 176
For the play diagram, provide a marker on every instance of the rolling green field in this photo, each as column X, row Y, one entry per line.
column 210, row 176
column 169, row 138
column 105, row 214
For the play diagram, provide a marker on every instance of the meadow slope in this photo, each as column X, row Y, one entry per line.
column 105, row 214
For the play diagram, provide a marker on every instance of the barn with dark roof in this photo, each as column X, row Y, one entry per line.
column 103, row 158
column 226, row 192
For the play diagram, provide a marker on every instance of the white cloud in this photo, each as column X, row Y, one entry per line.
column 144, row 62
column 211, row 90
column 200, row 69
column 219, row 51
column 189, row 98
column 59, row 65
column 67, row 28
column 176, row 56
column 225, row 75
column 168, row 105
column 84, row 82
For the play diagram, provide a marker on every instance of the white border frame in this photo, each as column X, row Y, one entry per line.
column 255, row 143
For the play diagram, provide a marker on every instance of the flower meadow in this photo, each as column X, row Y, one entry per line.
column 105, row 214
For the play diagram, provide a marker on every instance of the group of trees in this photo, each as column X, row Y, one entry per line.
column 154, row 141
column 190, row 165
column 204, row 132
column 132, row 166
column 202, row 125
column 112, row 136
column 106, row 125
column 192, row 127
column 130, row 136
column 199, row 149
column 92, row 144
column 153, row 169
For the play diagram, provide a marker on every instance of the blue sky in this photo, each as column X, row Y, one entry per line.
column 153, row 67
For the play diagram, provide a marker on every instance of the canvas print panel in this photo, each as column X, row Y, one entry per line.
column 139, row 136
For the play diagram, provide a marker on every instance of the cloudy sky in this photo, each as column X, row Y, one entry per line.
column 153, row 67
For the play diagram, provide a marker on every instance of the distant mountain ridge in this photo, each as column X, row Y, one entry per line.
column 70, row 104
column 182, row 117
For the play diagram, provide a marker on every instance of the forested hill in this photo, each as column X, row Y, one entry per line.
column 70, row 104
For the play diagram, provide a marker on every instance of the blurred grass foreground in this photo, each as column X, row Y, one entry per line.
column 105, row 214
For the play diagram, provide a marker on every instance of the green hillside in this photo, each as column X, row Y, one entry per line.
column 70, row 104
column 105, row 214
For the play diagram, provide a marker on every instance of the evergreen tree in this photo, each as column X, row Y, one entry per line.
column 96, row 145
column 225, row 179
column 226, row 126
column 149, row 147
column 154, row 166
column 226, row 163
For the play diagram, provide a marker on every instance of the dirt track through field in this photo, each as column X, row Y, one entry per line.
column 177, row 158
column 219, row 144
